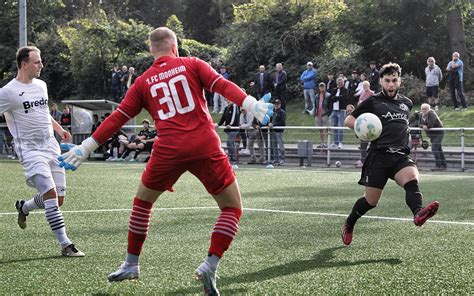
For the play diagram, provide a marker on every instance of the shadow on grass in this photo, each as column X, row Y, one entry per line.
column 320, row 260
column 31, row 259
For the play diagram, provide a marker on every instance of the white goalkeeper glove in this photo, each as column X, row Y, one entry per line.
column 72, row 159
column 261, row 110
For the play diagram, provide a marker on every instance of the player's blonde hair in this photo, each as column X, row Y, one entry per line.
column 162, row 39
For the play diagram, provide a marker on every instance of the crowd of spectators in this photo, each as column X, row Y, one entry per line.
column 121, row 80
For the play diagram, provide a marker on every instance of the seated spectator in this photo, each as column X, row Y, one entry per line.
column 141, row 142
column 117, row 142
column 65, row 119
column 55, row 113
column 230, row 118
column 322, row 112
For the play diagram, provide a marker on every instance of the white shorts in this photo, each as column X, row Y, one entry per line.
column 50, row 169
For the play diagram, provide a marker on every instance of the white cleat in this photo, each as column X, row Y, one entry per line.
column 207, row 276
column 125, row 272
column 72, row 251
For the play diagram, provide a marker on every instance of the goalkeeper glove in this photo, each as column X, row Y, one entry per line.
column 261, row 110
column 72, row 159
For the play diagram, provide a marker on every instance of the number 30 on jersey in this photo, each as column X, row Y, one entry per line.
column 171, row 97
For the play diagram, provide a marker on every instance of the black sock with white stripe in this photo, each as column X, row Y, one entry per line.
column 32, row 204
column 56, row 221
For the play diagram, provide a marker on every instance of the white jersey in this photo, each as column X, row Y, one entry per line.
column 26, row 111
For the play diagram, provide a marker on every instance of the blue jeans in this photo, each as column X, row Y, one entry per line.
column 231, row 147
column 277, row 146
column 309, row 97
column 337, row 118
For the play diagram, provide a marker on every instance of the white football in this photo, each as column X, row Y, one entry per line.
column 338, row 164
column 368, row 127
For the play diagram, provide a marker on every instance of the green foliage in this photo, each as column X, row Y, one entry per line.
column 98, row 42
column 267, row 32
column 203, row 51
column 176, row 25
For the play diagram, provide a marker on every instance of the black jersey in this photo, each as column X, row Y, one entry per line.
column 394, row 114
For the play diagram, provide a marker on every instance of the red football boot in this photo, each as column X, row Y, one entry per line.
column 346, row 235
column 425, row 213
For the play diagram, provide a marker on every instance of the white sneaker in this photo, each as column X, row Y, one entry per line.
column 436, row 108
column 125, row 272
column 333, row 146
column 111, row 158
column 72, row 251
column 207, row 276
column 339, row 146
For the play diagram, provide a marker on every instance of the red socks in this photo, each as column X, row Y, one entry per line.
column 138, row 225
column 224, row 230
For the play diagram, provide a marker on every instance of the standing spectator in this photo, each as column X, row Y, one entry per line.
column 433, row 78
column 331, row 83
column 65, row 120
column 255, row 135
column 338, row 101
column 128, row 79
column 429, row 119
column 308, row 78
column 95, row 123
column 364, row 95
column 374, row 77
column 278, row 147
column 360, row 88
column 246, row 119
column 218, row 97
column 123, row 81
column 352, row 88
column 279, row 83
column 116, row 84
column 55, row 113
column 230, row 118
column 455, row 73
column 262, row 82
column 323, row 109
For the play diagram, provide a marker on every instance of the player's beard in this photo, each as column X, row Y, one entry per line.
column 390, row 93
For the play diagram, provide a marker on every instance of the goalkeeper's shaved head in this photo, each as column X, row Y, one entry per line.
column 163, row 40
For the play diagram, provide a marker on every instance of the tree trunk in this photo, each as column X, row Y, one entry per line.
column 457, row 41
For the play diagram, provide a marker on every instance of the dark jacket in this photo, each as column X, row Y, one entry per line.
column 279, row 119
column 281, row 81
column 267, row 85
column 231, row 116
column 327, row 108
column 342, row 98
column 431, row 120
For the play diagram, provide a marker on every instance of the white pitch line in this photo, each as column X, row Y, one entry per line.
column 254, row 210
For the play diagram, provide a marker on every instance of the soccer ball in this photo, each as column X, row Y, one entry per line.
column 338, row 164
column 368, row 127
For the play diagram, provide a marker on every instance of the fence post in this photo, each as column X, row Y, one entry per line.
column 463, row 167
column 328, row 151
column 269, row 158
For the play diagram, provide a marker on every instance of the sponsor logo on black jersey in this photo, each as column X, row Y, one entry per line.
column 395, row 115
column 39, row 102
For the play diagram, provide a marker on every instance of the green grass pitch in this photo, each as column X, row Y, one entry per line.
column 288, row 243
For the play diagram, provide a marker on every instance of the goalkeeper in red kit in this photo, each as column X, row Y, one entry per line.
column 171, row 90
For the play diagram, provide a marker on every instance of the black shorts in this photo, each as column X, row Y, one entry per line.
column 380, row 165
column 432, row 91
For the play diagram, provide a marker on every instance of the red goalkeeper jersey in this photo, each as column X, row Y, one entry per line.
column 172, row 91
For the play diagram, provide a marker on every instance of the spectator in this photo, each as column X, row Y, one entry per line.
column 95, row 123
column 123, row 81
column 352, row 88
column 455, row 76
column 322, row 113
column 308, row 78
column 65, row 119
column 116, row 84
column 374, row 77
column 230, row 118
column 246, row 119
column 128, row 79
column 143, row 141
column 331, row 84
column 278, row 147
column 346, row 82
column 55, row 113
column 364, row 95
column 429, row 119
column 338, row 101
column 433, row 78
column 262, row 82
column 253, row 135
column 279, row 83
column 360, row 88
column 117, row 143
column 218, row 97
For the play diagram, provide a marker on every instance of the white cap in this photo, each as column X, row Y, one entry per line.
column 309, row 64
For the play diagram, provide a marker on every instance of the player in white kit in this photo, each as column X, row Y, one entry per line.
column 24, row 102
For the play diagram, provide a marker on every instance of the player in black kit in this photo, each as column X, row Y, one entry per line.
column 388, row 156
